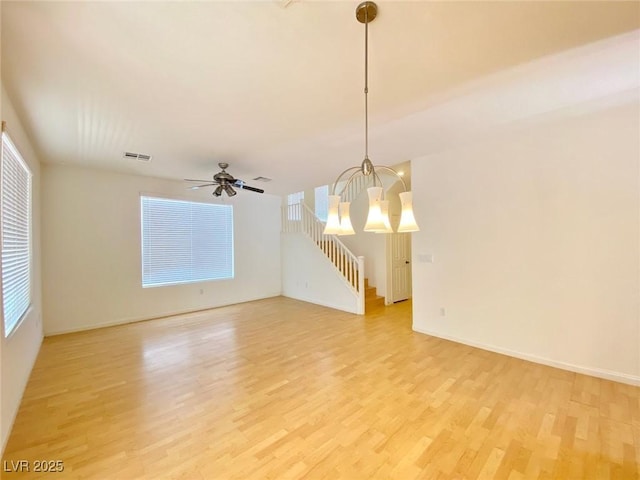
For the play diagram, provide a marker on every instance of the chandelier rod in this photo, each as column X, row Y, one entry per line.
column 366, row 83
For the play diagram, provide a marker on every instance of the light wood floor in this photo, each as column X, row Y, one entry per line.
column 281, row 389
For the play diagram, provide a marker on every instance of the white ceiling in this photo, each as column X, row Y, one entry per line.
column 277, row 91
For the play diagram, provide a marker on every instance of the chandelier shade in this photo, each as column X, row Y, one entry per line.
column 345, row 221
column 333, row 217
column 407, row 219
column 375, row 221
column 384, row 208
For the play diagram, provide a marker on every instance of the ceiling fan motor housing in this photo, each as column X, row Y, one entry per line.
column 223, row 178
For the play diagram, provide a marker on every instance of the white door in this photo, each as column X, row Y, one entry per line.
column 400, row 266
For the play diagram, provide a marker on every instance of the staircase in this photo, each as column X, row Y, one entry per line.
column 299, row 218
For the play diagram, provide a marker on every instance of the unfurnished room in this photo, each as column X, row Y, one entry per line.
column 296, row 239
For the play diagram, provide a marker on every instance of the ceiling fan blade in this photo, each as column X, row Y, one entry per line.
column 253, row 189
column 241, row 184
column 201, row 181
column 195, row 187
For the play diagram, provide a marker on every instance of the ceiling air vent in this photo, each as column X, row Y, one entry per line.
column 137, row 156
column 262, row 179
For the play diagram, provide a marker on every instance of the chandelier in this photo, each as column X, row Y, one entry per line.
column 338, row 221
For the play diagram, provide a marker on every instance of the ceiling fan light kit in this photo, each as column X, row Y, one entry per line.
column 338, row 219
column 224, row 182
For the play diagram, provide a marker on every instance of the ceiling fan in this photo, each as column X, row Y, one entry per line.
column 225, row 183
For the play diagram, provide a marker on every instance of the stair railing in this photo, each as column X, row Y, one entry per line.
column 354, row 189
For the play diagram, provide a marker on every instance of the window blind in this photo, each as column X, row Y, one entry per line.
column 295, row 199
column 322, row 202
column 185, row 241
column 15, row 213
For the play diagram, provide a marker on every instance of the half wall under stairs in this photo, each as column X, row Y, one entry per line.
column 318, row 268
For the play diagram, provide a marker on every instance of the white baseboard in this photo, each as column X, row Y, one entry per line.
column 124, row 321
column 591, row 371
column 323, row 303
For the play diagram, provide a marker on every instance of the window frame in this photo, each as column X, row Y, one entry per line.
column 7, row 143
column 321, row 214
column 231, row 239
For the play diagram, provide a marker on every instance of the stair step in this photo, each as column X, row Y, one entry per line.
column 371, row 298
column 372, row 303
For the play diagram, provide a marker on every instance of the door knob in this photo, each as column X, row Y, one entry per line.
column 406, row 261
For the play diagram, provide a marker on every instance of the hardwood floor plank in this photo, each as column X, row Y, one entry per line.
column 279, row 389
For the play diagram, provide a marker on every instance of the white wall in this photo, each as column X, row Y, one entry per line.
column 18, row 352
column 91, row 252
column 307, row 274
column 535, row 238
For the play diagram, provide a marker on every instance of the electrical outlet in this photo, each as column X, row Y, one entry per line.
column 202, row 291
column 443, row 312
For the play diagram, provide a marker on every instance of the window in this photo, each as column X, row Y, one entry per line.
column 15, row 184
column 185, row 241
column 295, row 199
column 322, row 202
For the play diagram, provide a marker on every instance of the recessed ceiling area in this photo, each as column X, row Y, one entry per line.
column 273, row 91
